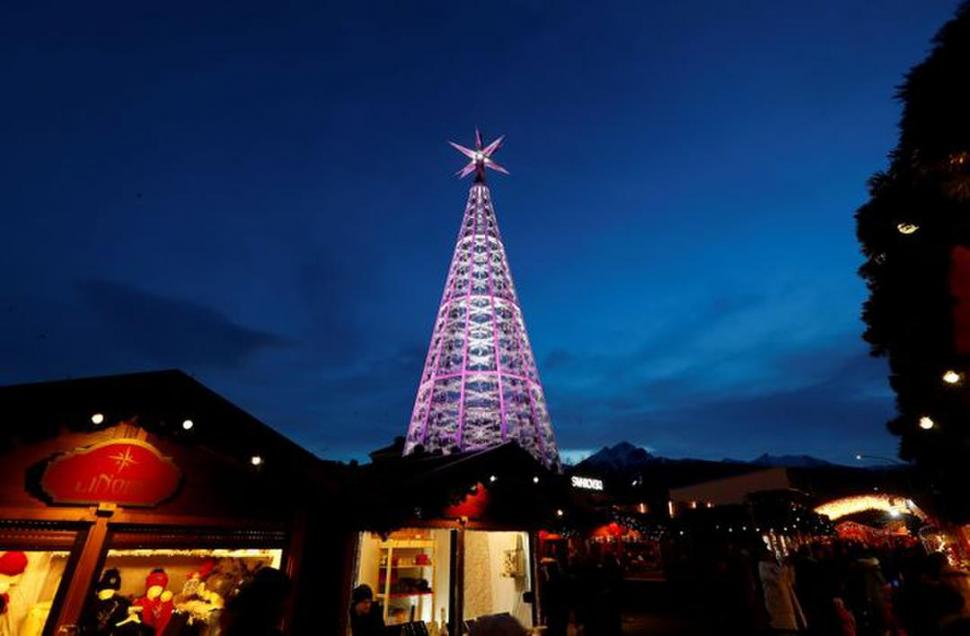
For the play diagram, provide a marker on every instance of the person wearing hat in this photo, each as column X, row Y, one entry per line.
column 366, row 616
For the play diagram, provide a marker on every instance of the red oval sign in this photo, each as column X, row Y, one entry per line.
column 126, row 472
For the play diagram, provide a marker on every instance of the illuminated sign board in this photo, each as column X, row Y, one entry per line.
column 587, row 483
column 125, row 472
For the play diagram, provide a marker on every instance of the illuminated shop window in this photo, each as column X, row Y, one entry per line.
column 172, row 590
column 407, row 572
column 29, row 581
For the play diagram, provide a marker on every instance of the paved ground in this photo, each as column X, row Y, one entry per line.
column 657, row 625
column 654, row 609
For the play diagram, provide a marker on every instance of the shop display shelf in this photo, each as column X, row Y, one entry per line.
column 408, row 544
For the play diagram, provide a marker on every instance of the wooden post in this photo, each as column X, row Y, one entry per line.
column 456, row 599
column 294, row 559
column 534, row 578
column 84, row 573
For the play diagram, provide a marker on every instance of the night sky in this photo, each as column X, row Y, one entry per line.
column 262, row 196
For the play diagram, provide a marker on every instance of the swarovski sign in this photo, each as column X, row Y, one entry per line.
column 587, row 483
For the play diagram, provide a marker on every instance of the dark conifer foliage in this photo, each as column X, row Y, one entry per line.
column 915, row 235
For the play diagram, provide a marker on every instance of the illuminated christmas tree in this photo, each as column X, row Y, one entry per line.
column 915, row 233
column 480, row 386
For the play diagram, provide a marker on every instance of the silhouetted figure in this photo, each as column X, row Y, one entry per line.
column 366, row 616
column 930, row 600
column 865, row 595
column 605, row 617
column 816, row 590
column 257, row 610
column 784, row 611
column 554, row 599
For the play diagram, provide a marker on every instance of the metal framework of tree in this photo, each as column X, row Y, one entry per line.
column 480, row 386
column 915, row 235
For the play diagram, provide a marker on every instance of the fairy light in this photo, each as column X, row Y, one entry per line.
column 907, row 228
column 851, row 505
column 97, row 418
column 926, row 423
column 951, row 377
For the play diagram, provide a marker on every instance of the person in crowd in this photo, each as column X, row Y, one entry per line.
column 581, row 577
column 811, row 587
column 844, row 620
column 605, row 609
column 612, row 582
column 929, row 602
column 498, row 625
column 257, row 609
column 554, row 599
column 735, row 596
column 865, row 594
column 366, row 616
column 785, row 614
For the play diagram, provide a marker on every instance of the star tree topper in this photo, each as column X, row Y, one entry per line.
column 481, row 158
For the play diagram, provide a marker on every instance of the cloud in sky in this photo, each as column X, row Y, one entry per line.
column 167, row 332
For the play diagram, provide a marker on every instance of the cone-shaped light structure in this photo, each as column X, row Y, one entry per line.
column 480, row 386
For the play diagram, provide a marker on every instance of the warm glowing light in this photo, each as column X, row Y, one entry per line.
column 492, row 478
column 559, row 512
column 97, row 418
column 907, row 228
column 535, row 480
column 256, row 460
column 860, row 503
column 951, row 377
column 926, row 423
column 188, row 424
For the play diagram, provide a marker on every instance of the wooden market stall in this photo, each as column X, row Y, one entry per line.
column 118, row 485
column 453, row 538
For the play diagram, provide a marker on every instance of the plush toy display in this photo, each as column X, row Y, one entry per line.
column 108, row 608
column 156, row 605
column 12, row 565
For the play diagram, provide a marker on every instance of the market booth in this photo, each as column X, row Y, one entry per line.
column 149, row 491
column 454, row 538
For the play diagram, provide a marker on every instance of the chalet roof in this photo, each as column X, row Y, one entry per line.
column 157, row 401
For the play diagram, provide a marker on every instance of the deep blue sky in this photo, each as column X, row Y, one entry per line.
column 262, row 196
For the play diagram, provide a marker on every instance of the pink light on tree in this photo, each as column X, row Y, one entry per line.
column 480, row 386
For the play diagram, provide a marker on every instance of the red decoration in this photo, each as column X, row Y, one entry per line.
column 472, row 506
column 612, row 529
column 13, row 563
column 126, row 472
column 960, row 290
column 155, row 613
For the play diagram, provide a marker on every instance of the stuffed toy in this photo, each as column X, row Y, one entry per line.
column 12, row 565
column 108, row 608
column 156, row 605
